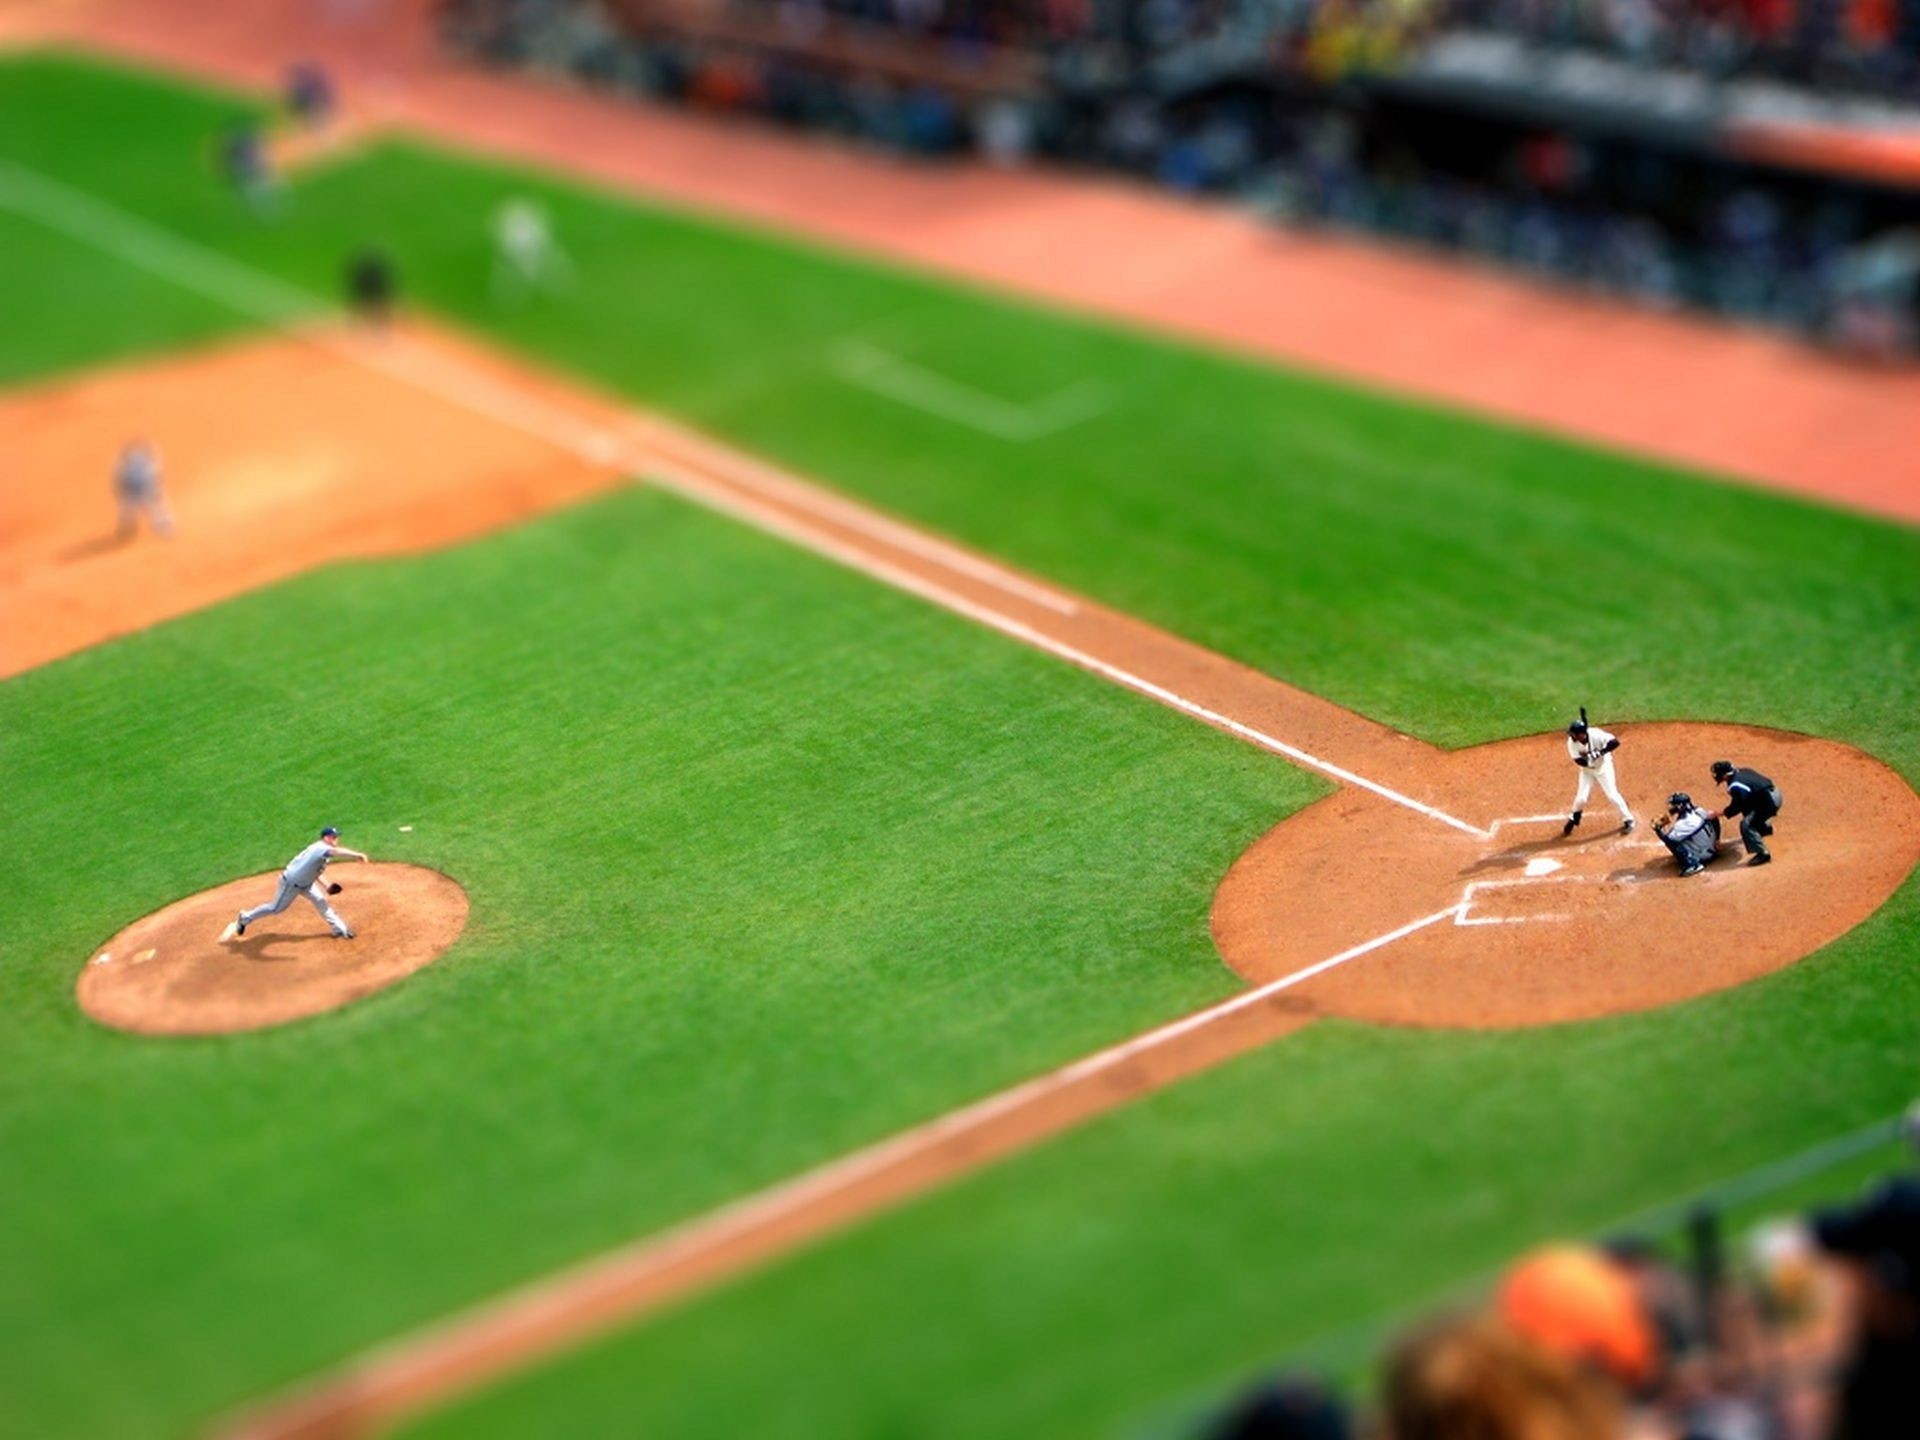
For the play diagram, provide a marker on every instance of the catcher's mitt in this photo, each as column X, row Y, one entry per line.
column 335, row 889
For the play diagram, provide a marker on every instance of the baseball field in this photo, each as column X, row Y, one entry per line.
column 839, row 695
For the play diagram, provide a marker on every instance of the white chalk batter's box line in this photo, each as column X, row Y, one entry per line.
column 1463, row 915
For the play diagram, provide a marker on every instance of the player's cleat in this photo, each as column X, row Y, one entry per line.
column 239, row 926
column 1626, row 826
column 1693, row 869
column 343, row 934
column 1572, row 820
column 1763, row 858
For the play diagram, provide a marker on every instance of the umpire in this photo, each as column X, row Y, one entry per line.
column 1755, row 799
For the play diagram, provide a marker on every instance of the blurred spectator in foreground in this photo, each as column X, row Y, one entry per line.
column 1877, row 1246
column 1288, row 1409
column 1579, row 1303
column 1476, row 1378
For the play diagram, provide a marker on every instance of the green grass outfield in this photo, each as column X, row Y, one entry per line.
column 867, row 861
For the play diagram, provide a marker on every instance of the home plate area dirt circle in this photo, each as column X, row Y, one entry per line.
column 1545, row 929
column 169, row 973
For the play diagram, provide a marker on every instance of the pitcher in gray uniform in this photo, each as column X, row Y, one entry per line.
column 302, row 877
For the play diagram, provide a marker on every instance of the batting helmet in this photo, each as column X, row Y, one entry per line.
column 1577, row 728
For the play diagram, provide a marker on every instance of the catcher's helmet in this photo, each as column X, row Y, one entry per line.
column 1722, row 770
column 1679, row 802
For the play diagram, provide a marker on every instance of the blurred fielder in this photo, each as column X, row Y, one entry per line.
column 526, row 257
column 1591, row 748
column 136, row 486
column 302, row 877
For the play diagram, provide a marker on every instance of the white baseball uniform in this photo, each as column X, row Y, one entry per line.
column 1597, row 770
column 302, row 877
column 526, row 256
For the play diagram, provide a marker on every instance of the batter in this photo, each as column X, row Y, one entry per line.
column 1591, row 748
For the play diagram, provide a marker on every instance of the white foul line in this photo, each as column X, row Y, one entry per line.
column 138, row 242
column 406, row 1368
column 897, row 378
column 685, row 483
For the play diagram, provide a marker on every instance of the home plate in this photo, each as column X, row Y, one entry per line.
column 1541, row 866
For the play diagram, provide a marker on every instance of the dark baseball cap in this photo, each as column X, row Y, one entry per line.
column 1882, row 1231
column 1291, row 1408
column 330, row 830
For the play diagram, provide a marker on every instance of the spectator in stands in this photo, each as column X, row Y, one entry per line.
column 1476, row 1378
column 1877, row 1245
column 1285, row 1409
column 1578, row 1302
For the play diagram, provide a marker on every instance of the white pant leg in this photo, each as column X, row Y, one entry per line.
column 282, row 898
column 327, row 913
column 1586, row 788
column 1611, row 787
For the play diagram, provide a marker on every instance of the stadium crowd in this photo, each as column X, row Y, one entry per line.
column 1813, row 1335
column 1258, row 101
column 1869, row 46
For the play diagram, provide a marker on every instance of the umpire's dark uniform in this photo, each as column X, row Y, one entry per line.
column 1756, row 800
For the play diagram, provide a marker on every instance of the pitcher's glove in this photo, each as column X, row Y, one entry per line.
column 335, row 889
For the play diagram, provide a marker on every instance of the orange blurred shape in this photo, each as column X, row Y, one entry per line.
column 1576, row 1302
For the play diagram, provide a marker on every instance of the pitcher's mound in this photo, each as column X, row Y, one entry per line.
column 170, row 974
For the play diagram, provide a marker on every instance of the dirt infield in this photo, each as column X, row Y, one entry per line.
column 281, row 455
column 169, row 973
column 1550, row 930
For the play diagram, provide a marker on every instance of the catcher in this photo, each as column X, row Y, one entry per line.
column 1692, row 834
